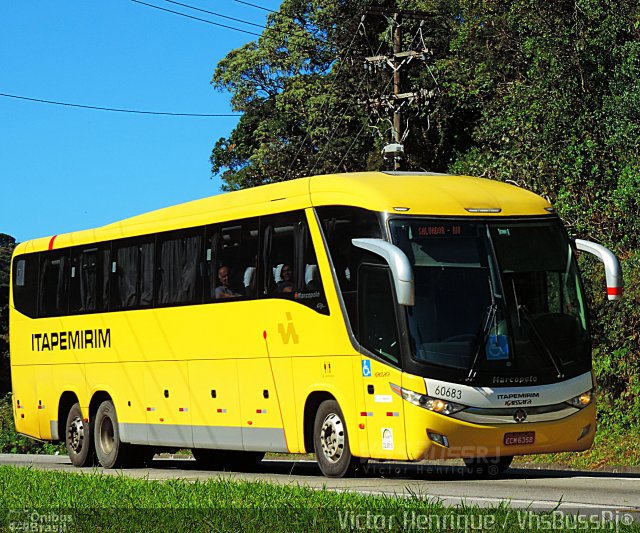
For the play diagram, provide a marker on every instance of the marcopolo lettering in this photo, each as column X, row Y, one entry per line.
column 498, row 380
column 80, row 339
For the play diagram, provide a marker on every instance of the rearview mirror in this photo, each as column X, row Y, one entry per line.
column 399, row 264
column 612, row 269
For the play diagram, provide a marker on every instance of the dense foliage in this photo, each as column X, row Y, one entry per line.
column 542, row 94
column 7, row 244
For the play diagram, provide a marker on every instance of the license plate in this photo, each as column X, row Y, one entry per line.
column 519, row 438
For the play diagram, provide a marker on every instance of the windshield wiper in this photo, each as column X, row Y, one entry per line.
column 527, row 317
column 489, row 317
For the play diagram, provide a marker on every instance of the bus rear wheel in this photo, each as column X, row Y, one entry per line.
column 78, row 439
column 331, row 441
column 111, row 451
column 487, row 466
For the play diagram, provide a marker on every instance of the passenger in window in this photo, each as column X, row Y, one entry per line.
column 286, row 283
column 225, row 290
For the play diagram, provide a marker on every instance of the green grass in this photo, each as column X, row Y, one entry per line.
column 98, row 502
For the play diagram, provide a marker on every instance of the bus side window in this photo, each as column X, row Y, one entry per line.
column 378, row 330
column 54, row 283
column 89, row 289
column 289, row 259
column 341, row 224
column 132, row 273
column 25, row 284
column 179, row 273
column 232, row 250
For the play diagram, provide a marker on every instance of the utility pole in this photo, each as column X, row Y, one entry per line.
column 398, row 99
column 397, row 83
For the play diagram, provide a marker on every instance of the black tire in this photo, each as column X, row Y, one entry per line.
column 487, row 466
column 111, row 451
column 331, row 441
column 226, row 459
column 79, row 438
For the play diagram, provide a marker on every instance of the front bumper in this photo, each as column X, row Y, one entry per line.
column 464, row 439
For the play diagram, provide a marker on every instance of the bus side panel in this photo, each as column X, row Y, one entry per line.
column 285, row 401
column 385, row 410
column 359, row 439
column 52, row 381
column 168, row 403
column 25, row 400
column 215, row 402
column 45, row 395
column 124, row 383
column 261, row 422
column 333, row 375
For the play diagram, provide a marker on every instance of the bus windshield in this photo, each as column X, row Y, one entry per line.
column 496, row 302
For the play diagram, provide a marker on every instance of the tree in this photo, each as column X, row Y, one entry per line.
column 301, row 88
column 557, row 88
column 7, row 245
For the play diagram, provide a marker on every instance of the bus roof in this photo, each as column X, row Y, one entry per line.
column 412, row 193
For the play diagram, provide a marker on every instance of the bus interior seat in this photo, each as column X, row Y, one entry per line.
column 276, row 273
column 311, row 278
column 249, row 276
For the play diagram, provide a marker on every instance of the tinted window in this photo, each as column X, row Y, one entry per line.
column 132, row 273
column 340, row 225
column 232, row 255
column 89, row 289
column 25, row 284
column 377, row 326
column 289, row 259
column 54, row 283
column 179, row 269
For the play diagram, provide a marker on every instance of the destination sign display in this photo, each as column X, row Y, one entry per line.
column 443, row 230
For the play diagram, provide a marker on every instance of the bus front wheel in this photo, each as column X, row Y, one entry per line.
column 78, row 439
column 111, row 451
column 331, row 441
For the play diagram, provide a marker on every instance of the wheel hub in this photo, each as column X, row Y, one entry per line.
column 76, row 434
column 332, row 438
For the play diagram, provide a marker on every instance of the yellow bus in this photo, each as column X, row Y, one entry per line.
column 377, row 315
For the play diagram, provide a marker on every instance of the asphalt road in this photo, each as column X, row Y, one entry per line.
column 570, row 491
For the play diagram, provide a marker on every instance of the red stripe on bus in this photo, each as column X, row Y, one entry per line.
column 51, row 242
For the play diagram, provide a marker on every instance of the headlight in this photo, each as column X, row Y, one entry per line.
column 436, row 405
column 583, row 399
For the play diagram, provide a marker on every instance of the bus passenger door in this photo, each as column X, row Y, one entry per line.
column 378, row 333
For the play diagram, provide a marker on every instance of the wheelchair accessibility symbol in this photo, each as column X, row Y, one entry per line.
column 366, row 368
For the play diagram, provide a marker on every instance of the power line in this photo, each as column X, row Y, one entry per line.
column 283, row 34
column 215, row 14
column 136, row 111
column 349, row 149
column 335, row 79
column 197, row 18
column 255, row 5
